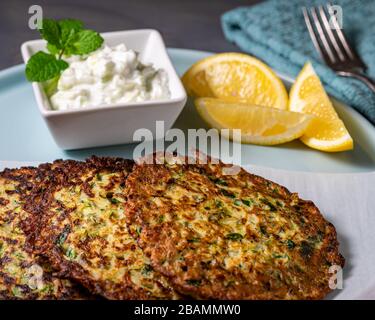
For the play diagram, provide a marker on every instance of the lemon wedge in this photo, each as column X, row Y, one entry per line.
column 328, row 132
column 236, row 77
column 259, row 125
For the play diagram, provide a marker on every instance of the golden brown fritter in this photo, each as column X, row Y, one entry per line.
column 23, row 275
column 220, row 236
column 83, row 230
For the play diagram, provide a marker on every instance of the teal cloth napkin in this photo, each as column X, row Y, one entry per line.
column 275, row 32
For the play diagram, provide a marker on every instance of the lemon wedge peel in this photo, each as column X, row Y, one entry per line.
column 236, row 77
column 328, row 132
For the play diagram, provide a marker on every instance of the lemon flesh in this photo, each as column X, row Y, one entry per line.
column 328, row 132
column 236, row 77
column 258, row 125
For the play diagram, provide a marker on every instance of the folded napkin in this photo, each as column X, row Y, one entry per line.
column 275, row 32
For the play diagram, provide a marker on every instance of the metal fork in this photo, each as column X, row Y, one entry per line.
column 332, row 45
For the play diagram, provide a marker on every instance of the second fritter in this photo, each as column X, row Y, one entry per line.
column 220, row 236
column 83, row 230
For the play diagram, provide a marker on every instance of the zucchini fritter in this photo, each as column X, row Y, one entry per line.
column 220, row 236
column 23, row 275
column 84, row 230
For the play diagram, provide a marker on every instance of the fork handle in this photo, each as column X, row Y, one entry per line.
column 366, row 80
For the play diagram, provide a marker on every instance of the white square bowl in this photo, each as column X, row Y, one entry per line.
column 115, row 123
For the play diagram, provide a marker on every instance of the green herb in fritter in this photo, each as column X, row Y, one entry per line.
column 194, row 282
column 234, row 236
column 290, row 244
column 63, row 235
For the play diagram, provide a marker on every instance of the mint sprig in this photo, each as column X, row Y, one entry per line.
column 43, row 66
column 64, row 38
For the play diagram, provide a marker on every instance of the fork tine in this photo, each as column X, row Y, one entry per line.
column 313, row 37
column 322, row 35
column 345, row 44
column 331, row 36
column 341, row 36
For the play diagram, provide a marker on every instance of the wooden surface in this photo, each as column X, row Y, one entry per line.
column 193, row 24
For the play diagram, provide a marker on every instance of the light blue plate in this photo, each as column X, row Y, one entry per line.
column 25, row 137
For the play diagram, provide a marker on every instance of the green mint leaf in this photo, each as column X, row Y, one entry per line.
column 71, row 24
column 50, row 86
column 51, row 32
column 86, row 42
column 69, row 28
column 43, row 66
column 52, row 49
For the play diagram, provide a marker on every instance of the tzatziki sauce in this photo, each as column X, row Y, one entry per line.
column 109, row 75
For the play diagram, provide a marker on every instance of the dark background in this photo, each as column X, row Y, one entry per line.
column 193, row 24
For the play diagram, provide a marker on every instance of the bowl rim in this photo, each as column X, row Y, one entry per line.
column 47, row 111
